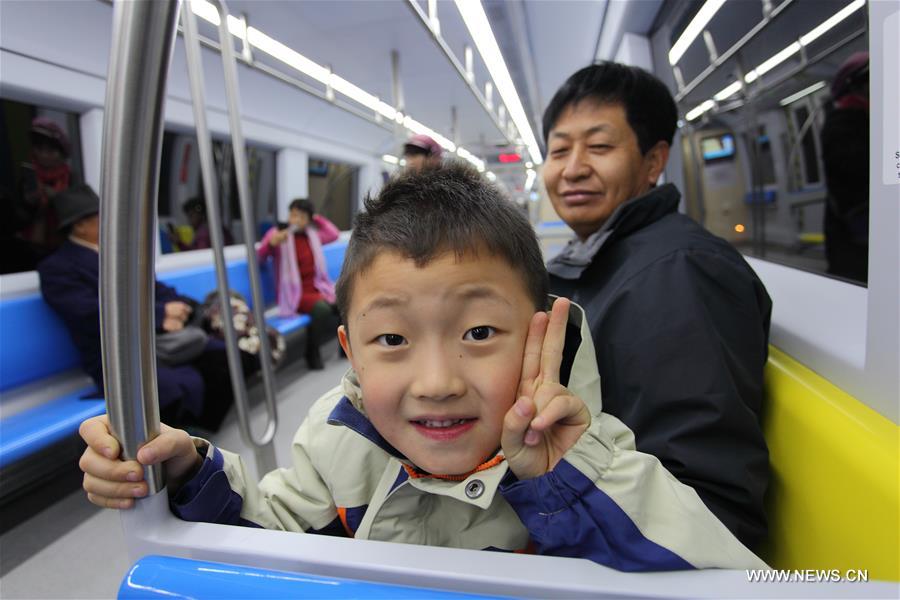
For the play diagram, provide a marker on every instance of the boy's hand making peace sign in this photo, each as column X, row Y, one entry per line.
column 547, row 419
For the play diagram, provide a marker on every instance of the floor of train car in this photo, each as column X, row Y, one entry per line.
column 73, row 549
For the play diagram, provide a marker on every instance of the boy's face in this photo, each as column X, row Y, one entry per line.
column 438, row 352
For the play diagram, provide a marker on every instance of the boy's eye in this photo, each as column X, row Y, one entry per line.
column 391, row 339
column 477, row 334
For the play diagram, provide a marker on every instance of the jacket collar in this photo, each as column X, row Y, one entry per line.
column 627, row 218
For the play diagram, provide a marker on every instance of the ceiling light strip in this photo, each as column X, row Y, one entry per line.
column 265, row 43
column 480, row 29
column 694, row 28
column 802, row 93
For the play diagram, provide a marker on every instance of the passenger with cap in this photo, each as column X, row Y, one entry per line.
column 845, row 156
column 679, row 319
column 196, row 392
column 422, row 152
column 40, row 181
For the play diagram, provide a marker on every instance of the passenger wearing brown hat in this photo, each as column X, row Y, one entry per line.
column 196, row 392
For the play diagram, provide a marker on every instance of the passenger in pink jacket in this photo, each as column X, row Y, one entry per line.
column 301, row 277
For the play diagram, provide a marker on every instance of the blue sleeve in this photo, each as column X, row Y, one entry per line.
column 208, row 497
column 567, row 515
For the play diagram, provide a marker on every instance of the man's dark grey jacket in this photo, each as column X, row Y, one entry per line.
column 680, row 324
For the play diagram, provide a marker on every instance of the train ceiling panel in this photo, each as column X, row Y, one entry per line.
column 356, row 39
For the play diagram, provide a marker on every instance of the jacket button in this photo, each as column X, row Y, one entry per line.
column 474, row 489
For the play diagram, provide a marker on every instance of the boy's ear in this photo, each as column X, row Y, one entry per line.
column 344, row 340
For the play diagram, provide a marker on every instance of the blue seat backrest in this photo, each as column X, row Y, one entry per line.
column 334, row 257
column 34, row 342
column 198, row 282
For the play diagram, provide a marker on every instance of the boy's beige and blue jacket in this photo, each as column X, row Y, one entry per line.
column 603, row 501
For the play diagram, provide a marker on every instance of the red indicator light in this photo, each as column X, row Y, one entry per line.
column 510, row 158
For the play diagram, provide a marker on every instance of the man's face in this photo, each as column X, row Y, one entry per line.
column 47, row 154
column 88, row 229
column 438, row 352
column 594, row 164
column 418, row 161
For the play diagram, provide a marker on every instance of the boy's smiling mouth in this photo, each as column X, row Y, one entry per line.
column 443, row 429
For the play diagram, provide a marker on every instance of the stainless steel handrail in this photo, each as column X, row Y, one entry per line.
column 265, row 454
column 248, row 219
column 142, row 42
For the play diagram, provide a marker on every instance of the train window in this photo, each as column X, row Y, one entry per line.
column 40, row 154
column 803, row 137
column 775, row 136
column 181, row 195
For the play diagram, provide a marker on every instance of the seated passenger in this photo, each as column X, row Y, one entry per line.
column 301, row 275
column 464, row 421
column 197, row 392
column 680, row 318
column 195, row 210
column 41, row 179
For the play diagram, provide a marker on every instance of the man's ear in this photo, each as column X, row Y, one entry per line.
column 344, row 340
column 655, row 161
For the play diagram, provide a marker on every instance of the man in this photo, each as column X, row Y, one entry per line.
column 197, row 392
column 422, row 152
column 679, row 320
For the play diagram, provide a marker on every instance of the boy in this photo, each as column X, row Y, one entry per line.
column 462, row 422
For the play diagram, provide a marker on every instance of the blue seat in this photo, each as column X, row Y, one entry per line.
column 32, row 430
column 35, row 342
column 167, row 577
column 36, row 345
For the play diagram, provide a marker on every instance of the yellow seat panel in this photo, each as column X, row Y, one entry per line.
column 834, row 500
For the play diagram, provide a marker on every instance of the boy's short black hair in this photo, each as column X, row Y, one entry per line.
column 422, row 214
column 649, row 106
column 303, row 205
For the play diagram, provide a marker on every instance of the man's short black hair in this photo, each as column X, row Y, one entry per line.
column 649, row 106
column 303, row 205
column 422, row 214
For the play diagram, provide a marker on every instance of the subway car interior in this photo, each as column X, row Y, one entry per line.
column 189, row 136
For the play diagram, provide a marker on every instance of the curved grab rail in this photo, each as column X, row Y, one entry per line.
column 142, row 43
column 264, row 451
column 247, row 221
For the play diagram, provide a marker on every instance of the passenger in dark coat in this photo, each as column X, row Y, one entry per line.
column 845, row 155
column 197, row 393
column 680, row 321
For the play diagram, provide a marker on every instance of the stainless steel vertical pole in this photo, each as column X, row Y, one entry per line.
column 142, row 42
column 263, row 449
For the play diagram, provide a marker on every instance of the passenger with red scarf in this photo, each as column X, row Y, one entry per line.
column 301, row 277
column 43, row 178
